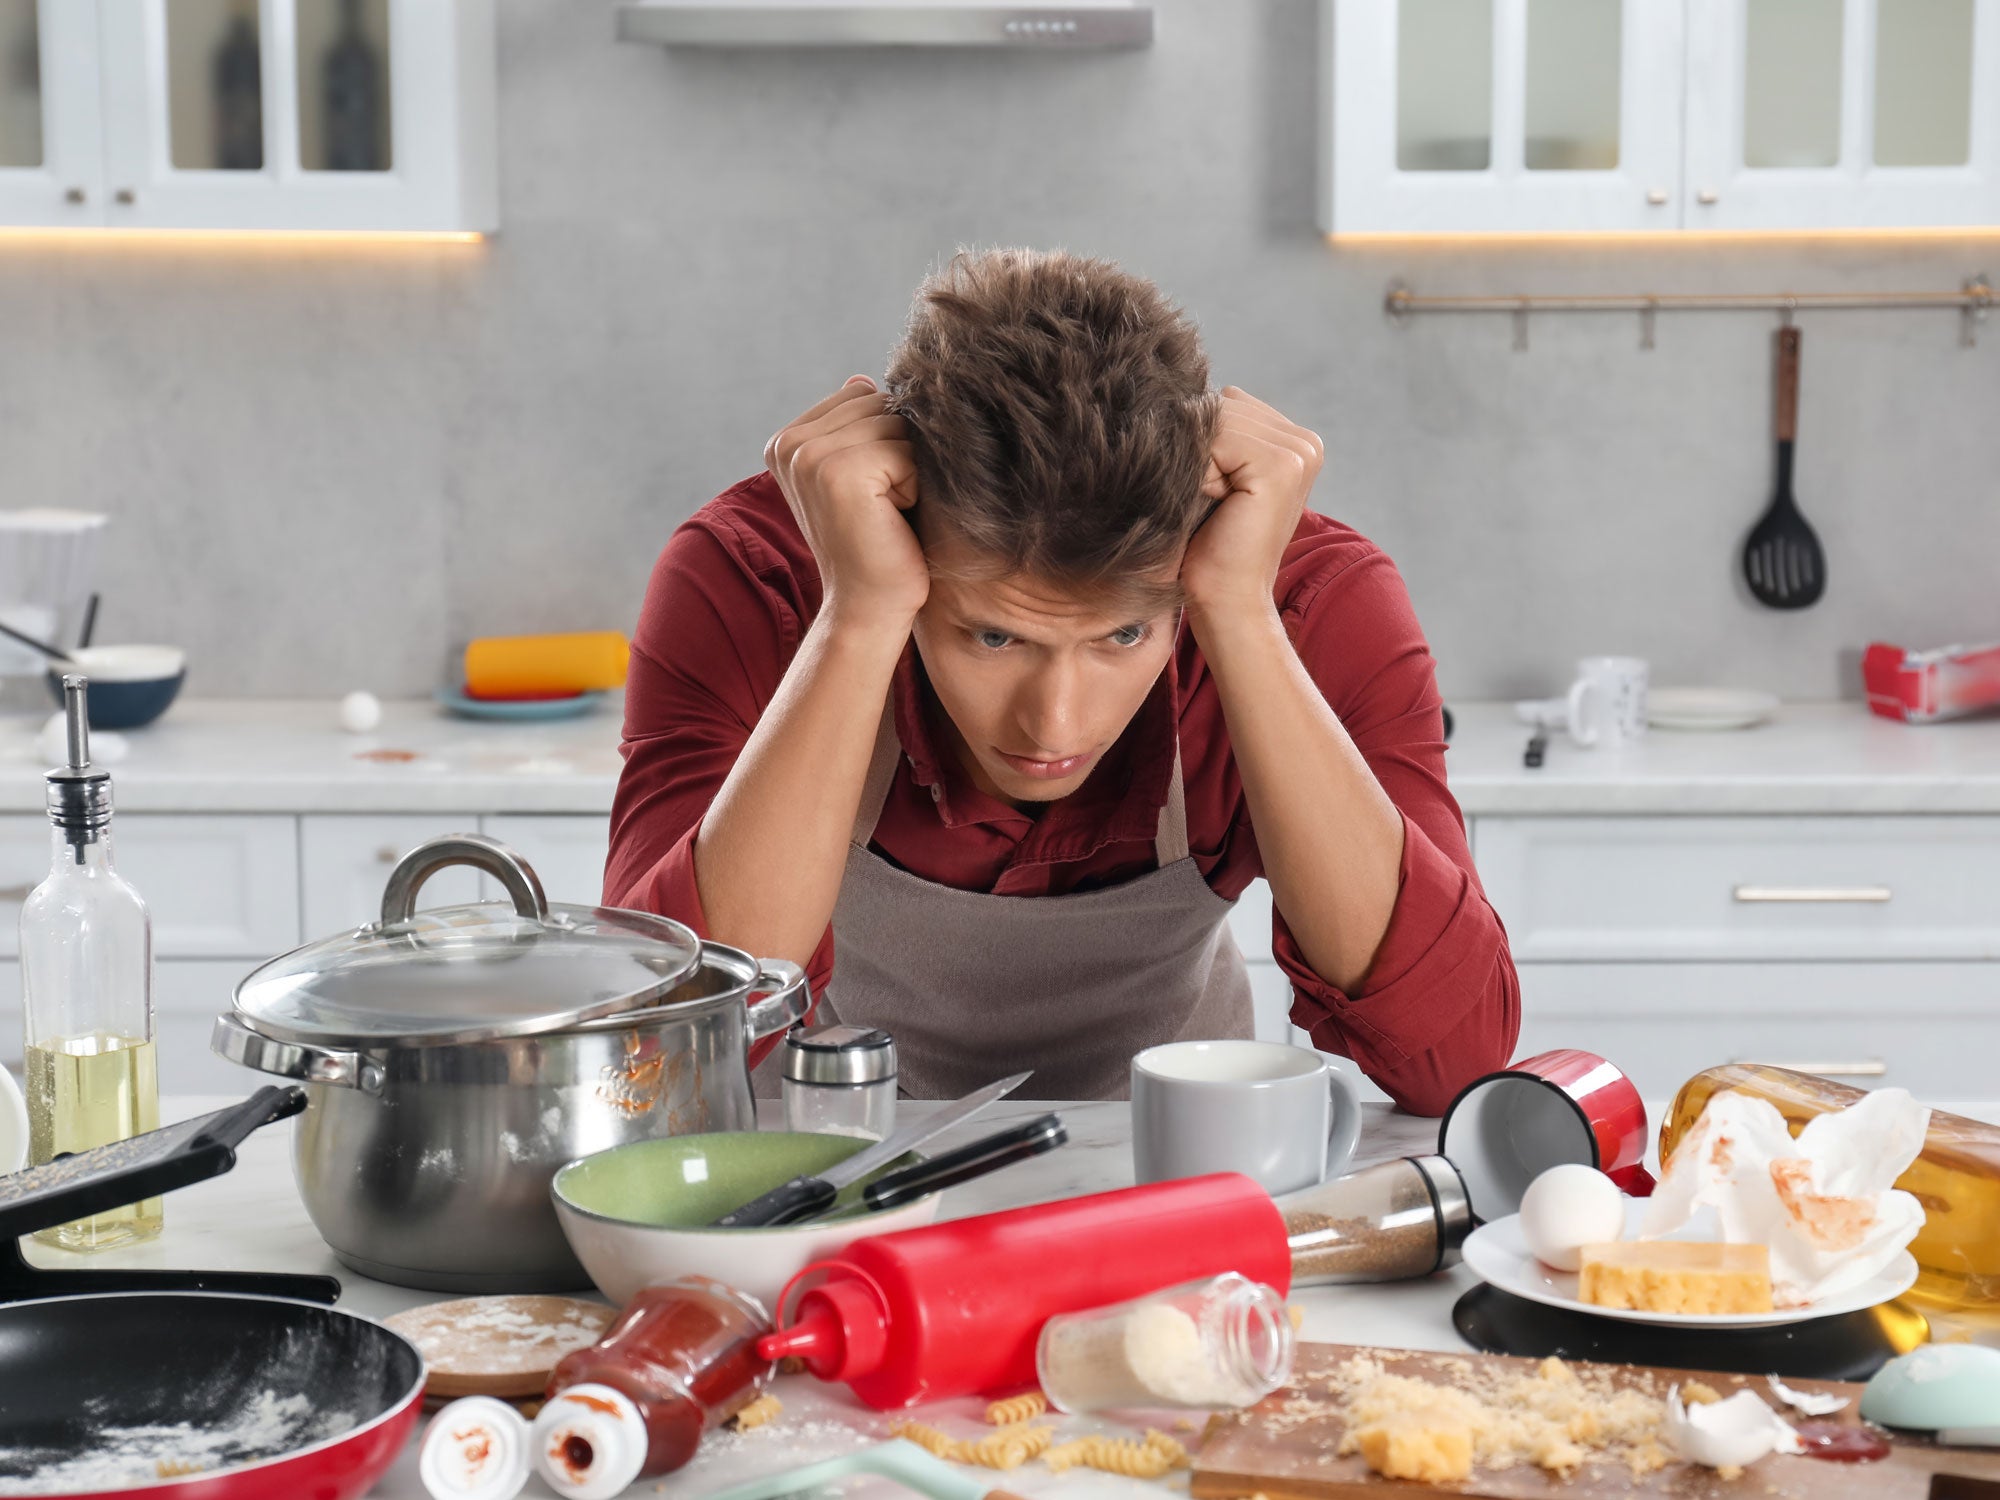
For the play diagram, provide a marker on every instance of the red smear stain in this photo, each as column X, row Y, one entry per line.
column 646, row 1077
column 593, row 1403
column 388, row 757
column 1842, row 1443
column 477, row 1445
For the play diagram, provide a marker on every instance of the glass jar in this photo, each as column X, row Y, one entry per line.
column 1389, row 1222
column 1224, row 1342
column 840, row 1080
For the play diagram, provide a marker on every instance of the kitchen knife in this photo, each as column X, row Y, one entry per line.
column 805, row 1196
column 987, row 1154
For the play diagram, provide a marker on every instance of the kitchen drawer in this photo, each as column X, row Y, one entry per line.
column 567, row 852
column 218, row 886
column 1932, row 1028
column 345, row 861
column 1810, row 888
column 187, row 997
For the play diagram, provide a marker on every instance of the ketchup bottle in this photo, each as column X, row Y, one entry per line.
column 956, row 1308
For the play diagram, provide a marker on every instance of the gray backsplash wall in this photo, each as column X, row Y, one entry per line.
column 330, row 465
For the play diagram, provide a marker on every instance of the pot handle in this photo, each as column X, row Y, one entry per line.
column 233, row 1040
column 399, row 896
column 786, row 1004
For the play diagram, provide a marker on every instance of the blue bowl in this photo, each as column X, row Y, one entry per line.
column 130, row 686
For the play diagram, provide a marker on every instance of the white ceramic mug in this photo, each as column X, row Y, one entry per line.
column 1280, row 1114
column 13, row 1125
column 1606, row 708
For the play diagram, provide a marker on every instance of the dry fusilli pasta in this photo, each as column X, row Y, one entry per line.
column 1017, row 1409
column 1130, row 1457
column 941, row 1444
column 1172, row 1447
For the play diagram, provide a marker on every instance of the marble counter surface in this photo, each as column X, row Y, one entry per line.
column 253, row 1219
column 269, row 755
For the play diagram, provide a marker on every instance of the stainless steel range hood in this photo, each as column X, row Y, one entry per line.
column 943, row 23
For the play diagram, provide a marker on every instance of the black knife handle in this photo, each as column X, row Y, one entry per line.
column 988, row 1154
column 786, row 1203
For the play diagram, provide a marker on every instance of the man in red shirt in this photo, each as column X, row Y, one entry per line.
column 988, row 698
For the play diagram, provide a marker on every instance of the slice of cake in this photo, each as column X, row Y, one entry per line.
column 1677, row 1276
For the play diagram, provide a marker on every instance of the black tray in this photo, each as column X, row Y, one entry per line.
column 1848, row 1346
column 129, row 1171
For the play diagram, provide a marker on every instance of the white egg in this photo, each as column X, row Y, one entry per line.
column 1568, row 1207
column 360, row 712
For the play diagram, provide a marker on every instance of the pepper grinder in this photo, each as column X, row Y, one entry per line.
column 1389, row 1222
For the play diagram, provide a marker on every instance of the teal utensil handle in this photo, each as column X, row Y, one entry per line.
column 897, row 1459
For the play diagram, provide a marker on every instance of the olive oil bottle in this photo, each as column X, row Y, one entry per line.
column 87, row 981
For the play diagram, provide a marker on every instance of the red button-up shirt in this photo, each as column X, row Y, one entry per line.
column 733, row 593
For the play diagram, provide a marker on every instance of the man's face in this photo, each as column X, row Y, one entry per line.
column 1037, row 684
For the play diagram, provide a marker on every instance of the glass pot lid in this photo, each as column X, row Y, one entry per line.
column 467, row 973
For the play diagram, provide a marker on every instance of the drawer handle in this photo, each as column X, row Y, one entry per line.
column 1830, row 894
column 1872, row 1068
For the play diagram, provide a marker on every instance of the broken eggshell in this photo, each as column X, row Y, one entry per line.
column 1731, row 1434
column 1811, row 1403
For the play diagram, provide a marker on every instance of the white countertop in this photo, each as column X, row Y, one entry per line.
column 252, row 1219
column 275, row 755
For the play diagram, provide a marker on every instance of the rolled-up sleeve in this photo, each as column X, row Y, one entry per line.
column 711, row 645
column 1440, row 1003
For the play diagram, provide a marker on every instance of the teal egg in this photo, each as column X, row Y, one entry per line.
column 1938, row 1385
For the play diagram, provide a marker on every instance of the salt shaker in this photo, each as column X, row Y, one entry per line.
column 840, row 1080
column 1223, row 1342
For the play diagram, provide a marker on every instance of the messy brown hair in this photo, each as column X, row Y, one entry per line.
column 1061, row 416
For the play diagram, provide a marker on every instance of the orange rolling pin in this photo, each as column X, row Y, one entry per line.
column 545, row 666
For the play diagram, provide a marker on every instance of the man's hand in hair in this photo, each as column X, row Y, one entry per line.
column 847, row 469
column 1261, row 468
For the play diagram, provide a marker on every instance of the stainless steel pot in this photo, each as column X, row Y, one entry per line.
column 425, row 1153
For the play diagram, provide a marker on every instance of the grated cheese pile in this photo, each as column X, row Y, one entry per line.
column 1407, row 1428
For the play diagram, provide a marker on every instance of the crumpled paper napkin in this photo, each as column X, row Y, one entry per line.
column 1825, row 1203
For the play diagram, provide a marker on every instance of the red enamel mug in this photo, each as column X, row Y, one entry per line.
column 1506, row 1129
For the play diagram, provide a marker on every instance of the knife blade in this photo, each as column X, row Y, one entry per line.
column 807, row 1195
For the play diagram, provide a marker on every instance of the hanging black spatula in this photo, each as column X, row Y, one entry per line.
column 1782, row 559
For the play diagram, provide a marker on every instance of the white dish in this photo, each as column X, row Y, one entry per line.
column 1498, row 1254
column 1708, row 708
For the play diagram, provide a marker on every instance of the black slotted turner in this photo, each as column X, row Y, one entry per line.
column 1782, row 559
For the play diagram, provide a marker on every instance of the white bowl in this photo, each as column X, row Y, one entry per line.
column 130, row 663
column 684, row 1177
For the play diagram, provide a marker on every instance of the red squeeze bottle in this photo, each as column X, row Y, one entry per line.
column 953, row 1309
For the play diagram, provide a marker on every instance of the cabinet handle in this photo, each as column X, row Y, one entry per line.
column 1707, row 195
column 16, row 892
column 125, row 196
column 1657, row 197
column 1820, row 894
column 1873, row 1067
column 75, row 195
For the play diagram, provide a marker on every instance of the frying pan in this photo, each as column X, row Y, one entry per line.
column 268, row 1396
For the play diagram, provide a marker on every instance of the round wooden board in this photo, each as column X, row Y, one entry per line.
column 499, row 1346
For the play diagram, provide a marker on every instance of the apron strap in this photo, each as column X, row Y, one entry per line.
column 1170, row 843
column 881, row 773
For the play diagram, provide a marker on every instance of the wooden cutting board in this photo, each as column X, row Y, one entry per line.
column 1284, row 1457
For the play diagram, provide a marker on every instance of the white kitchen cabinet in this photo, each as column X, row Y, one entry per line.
column 345, row 861
column 324, row 115
column 51, row 123
column 1469, row 116
column 566, row 851
column 218, row 887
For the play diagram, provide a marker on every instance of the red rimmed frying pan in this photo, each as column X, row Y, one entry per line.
column 200, row 1396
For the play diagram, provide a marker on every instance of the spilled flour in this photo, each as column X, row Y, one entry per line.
column 267, row 1426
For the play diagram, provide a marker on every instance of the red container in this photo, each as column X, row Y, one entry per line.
column 955, row 1309
column 1919, row 687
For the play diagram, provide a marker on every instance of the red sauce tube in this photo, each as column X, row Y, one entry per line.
column 956, row 1308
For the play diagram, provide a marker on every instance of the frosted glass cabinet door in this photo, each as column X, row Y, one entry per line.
column 1501, row 115
column 51, row 157
column 299, row 114
column 1843, row 114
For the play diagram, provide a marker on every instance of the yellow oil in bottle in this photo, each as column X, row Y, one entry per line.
column 86, row 1091
column 1956, row 1178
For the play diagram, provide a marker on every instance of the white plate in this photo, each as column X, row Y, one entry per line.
column 1498, row 1254
column 1708, row 708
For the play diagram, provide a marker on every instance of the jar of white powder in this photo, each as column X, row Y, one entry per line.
column 840, row 1080
column 1225, row 1342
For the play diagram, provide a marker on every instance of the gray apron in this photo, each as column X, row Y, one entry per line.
column 974, row 986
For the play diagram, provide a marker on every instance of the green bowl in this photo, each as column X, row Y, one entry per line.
column 641, row 1213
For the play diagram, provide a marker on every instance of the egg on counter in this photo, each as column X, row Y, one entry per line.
column 1936, row 1386
column 1568, row 1207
